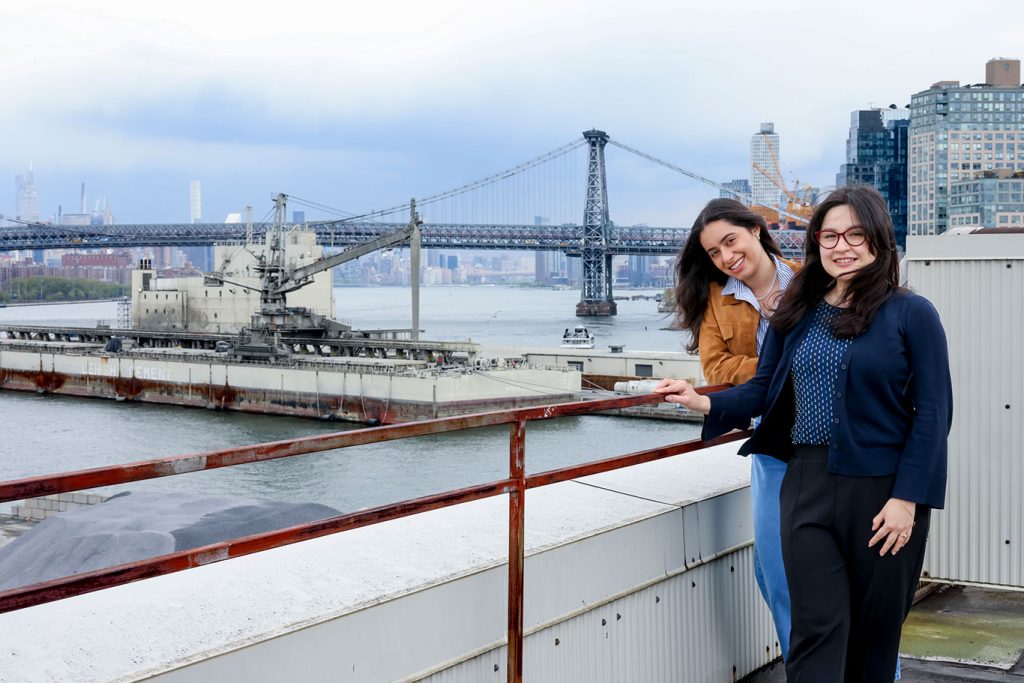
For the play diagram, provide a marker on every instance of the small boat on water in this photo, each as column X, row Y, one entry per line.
column 577, row 338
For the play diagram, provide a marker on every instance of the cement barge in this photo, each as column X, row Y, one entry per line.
column 231, row 340
column 357, row 389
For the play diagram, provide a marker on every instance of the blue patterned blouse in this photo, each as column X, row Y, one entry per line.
column 815, row 368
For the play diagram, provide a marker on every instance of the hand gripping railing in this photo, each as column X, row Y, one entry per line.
column 515, row 485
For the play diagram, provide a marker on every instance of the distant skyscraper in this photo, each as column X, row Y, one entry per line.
column 299, row 217
column 876, row 155
column 542, row 266
column 959, row 133
column 765, row 180
column 26, row 197
column 195, row 202
column 739, row 186
column 639, row 269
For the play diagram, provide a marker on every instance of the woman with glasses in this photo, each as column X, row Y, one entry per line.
column 730, row 275
column 854, row 388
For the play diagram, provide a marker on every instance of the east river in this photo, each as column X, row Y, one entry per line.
column 47, row 434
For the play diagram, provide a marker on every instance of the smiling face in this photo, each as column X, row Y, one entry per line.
column 734, row 250
column 842, row 260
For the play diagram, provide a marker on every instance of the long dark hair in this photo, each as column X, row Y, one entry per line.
column 694, row 269
column 868, row 288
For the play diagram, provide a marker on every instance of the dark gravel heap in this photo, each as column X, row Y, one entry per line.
column 137, row 525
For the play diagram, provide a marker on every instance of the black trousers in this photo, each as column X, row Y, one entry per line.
column 848, row 603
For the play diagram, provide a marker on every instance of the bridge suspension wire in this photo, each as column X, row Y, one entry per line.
column 677, row 169
column 746, row 199
column 476, row 185
column 321, row 207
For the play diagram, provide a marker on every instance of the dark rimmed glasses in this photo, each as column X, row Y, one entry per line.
column 854, row 236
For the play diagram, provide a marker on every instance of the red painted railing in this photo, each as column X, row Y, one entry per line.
column 515, row 485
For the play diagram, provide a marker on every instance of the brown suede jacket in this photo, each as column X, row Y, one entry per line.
column 728, row 337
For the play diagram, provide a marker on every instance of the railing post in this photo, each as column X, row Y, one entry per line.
column 516, row 548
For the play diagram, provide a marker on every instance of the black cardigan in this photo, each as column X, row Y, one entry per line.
column 893, row 402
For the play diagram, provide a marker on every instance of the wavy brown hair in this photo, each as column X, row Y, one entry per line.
column 868, row 288
column 694, row 269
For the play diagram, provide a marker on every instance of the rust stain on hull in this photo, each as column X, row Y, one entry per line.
column 269, row 402
column 47, row 382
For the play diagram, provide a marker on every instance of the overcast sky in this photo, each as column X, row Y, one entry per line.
column 361, row 105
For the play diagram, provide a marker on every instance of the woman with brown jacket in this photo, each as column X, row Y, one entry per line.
column 729, row 278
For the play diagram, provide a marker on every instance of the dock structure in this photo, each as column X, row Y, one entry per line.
column 390, row 343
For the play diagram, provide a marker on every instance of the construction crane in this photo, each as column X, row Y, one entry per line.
column 796, row 208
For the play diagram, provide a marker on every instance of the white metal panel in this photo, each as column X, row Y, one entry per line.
column 977, row 284
column 705, row 624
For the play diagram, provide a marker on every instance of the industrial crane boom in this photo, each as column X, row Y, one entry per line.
column 299, row 277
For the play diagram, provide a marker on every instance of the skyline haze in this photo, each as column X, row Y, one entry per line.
column 364, row 107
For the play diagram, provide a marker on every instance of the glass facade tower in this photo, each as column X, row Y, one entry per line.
column 876, row 155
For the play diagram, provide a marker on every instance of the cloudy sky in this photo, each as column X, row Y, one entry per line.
column 362, row 105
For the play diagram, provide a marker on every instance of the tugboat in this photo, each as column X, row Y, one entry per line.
column 579, row 338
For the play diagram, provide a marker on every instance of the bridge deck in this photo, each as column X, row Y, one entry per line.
column 566, row 238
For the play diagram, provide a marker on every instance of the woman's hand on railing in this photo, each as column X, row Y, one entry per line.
column 682, row 392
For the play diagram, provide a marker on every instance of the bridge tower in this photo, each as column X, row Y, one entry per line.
column 596, row 298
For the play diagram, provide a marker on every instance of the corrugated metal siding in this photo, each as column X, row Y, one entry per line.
column 978, row 537
column 705, row 624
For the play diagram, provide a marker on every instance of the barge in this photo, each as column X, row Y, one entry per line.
column 353, row 388
column 189, row 345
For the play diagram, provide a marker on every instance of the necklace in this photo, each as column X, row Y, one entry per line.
column 771, row 288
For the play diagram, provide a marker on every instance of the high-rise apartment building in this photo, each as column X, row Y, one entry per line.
column 960, row 132
column 26, row 197
column 876, row 155
column 765, row 180
column 195, row 214
column 992, row 199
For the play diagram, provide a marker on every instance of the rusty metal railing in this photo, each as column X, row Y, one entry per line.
column 515, row 485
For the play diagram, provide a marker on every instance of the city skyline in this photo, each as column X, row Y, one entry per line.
column 362, row 108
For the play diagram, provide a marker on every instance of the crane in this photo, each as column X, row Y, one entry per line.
column 797, row 209
column 261, row 340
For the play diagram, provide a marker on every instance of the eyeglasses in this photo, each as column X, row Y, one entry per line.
column 854, row 236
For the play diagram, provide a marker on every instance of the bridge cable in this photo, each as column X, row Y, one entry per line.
column 483, row 182
column 317, row 205
column 746, row 199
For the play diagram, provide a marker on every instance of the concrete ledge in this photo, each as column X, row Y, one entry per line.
column 43, row 507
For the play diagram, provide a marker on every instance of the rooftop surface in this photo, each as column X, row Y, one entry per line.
column 958, row 633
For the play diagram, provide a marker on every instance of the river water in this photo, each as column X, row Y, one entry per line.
column 47, row 434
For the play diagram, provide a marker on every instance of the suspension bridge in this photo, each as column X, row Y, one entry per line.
column 500, row 211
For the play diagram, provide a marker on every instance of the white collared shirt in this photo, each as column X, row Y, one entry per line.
column 741, row 291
